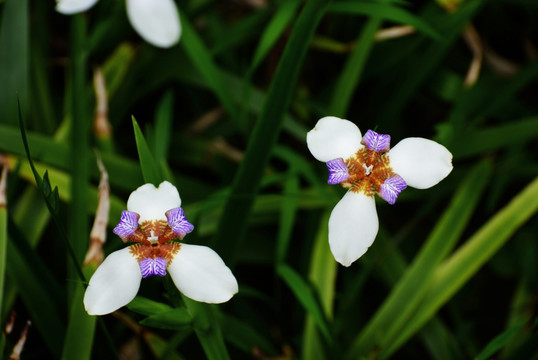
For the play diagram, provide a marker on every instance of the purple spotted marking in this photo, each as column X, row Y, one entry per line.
column 178, row 222
column 150, row 267
column 375, row 141
column 338, row 171
column 391, row 188
column 127, row 225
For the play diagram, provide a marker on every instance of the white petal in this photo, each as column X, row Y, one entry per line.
column 69, row 7
column 353, row 226
column 200, row 274
column 114, row 283
column 156, row 21
column 422, row 163
column 333, row 138
column 152, row 203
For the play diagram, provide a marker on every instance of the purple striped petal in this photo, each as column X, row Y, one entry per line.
column 337, row 171
column 391, row 188
column 178, row 222
column 375, row 141
column 150, row 267
column 127, row 225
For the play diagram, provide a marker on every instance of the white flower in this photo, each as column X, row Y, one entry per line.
column 156, row 21
column 365, row 166
column 153, row 221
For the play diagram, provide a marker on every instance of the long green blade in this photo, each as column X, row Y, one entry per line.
column 234, row 220
column 451, row 275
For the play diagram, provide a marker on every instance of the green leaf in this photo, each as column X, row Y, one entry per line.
column 14, row 58
column 287, row 214
column 280, row 20
column 500, row 340
column 410, row 290
column 150, row 169
column 39, row 290
column 147, row 307
column 244, row 336
column 81, row 327
column 234, row 219
column 202, row 60
column 478, row 141
column 175, row 319
column 163, row 126
column 116, row 66
column 350, row 75
column 453, row 273
column 384, row 11
column 306, row 297
column 207, row 329
column 3, row 249
column 322, row 275
column 39, row 183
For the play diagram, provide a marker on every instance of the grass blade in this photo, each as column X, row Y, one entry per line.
column 14, row 58
column 288, row 213
column 201, row 58
column 385, row 11
column 322, row 274
column 306, row 297
column 3, row 236
column 233, row 222
column 274, row 30
column 409, row 291
column 350, row 76
column 150, row 169
column 500, row 341
column 460, row 267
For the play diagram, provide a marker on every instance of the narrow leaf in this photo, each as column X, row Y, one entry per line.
column 306, row 297
column 500, row 340
column 451, row 275
column 233, row 222
column 150, row 169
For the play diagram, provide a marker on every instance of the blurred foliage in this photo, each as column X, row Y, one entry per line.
column 224, row 115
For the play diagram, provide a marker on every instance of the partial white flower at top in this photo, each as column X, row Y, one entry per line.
column 153, row 221
column 156, row 21
column 365, row 166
